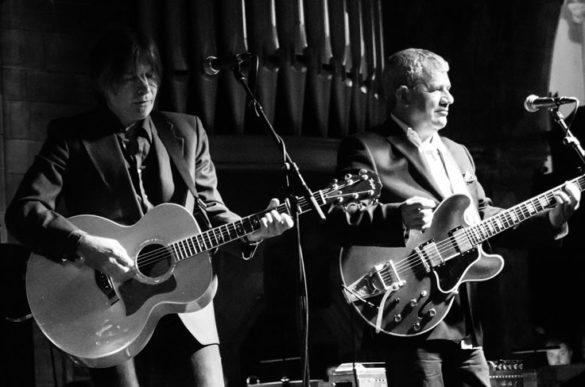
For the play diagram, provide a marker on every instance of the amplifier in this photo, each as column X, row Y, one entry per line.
column 368, row 375
column 511, row 373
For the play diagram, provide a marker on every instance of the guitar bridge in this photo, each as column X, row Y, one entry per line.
column 381, row 279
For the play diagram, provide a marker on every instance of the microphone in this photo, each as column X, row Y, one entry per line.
column 534, row 103
column 213, row 65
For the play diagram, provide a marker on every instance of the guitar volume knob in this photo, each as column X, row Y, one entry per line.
column 432, row 313
column 397, row 318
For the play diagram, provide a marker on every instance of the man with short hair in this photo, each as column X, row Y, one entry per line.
column 418, row 169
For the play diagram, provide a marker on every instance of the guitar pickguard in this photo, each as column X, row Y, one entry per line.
column 134, row 294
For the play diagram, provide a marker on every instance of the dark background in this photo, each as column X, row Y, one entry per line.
column 499, row 52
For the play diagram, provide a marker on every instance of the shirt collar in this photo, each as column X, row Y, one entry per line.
column 430, row 144
column 146, row 126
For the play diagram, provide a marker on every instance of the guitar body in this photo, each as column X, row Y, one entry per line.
column 101, row 323
column 424, row 293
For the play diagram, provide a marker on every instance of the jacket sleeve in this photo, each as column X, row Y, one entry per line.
column 206, row 184
column 374, row 224
column 31, row 217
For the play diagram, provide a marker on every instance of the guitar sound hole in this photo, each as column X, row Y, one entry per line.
column 154, row 261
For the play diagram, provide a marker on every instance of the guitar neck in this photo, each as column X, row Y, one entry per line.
column 515, row 215
column 226, row 233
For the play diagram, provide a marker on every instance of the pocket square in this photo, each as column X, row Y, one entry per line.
column 468, row 177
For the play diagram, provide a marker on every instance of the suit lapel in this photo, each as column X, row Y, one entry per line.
column 166, row 185
column 106, row 155
column 420, row 172
column 174, row 144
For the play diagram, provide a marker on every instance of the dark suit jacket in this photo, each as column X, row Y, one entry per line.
column 81, row 170
column 388, row 152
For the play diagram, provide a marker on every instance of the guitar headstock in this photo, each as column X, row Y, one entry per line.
column 361, row 188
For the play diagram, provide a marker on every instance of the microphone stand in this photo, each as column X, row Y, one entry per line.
column 569, row 138
column 291, row 169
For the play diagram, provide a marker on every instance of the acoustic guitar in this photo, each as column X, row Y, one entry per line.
column 100, row 322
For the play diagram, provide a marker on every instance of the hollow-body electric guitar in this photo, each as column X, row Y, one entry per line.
column 100, row 322
column 407, row 291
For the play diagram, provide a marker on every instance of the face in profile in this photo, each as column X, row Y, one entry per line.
column 132, row 99
column 429, row 102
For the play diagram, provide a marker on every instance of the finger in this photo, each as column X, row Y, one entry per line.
column 427, row 203
column 288, row 221
column 561, row 197
column 264, row 222
column 274, row 202
column 427, row 217
column 573, row 191
column 122, row 257
column 276, row 216
column 418, row 200
column 268, row 217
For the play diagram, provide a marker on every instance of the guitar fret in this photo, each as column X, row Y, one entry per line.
column 207, row 239
column 188, row 246
column 226, row 233
column 183, row 251
column 543, row 203
column 499, row 224
column 490, row 228
column 200, row 242
column 211, row 235
column 175, row 251
column 218, row 237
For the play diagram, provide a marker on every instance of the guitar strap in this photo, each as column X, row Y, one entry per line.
column 170, row 143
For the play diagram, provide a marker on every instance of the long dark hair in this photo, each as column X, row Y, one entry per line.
column 118, row 53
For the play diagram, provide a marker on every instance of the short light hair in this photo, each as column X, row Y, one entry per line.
column 407, row 68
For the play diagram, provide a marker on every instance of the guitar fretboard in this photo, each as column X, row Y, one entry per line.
column 515, row 215
column 218, row 236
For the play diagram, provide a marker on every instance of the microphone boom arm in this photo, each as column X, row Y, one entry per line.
column 569, row 139
column 289, row 164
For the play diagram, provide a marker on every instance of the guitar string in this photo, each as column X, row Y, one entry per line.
column 189, row 246
column 474, row 234
column 200, row 242
column 185, row 247
column 446, row 245
column 476, row 230
column 197, row 244
column 401, row 266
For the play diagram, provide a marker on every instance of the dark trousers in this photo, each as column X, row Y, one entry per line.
column 435, row 363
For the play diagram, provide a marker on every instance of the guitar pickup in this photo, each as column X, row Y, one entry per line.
column 461, row 240
column 429, row 255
